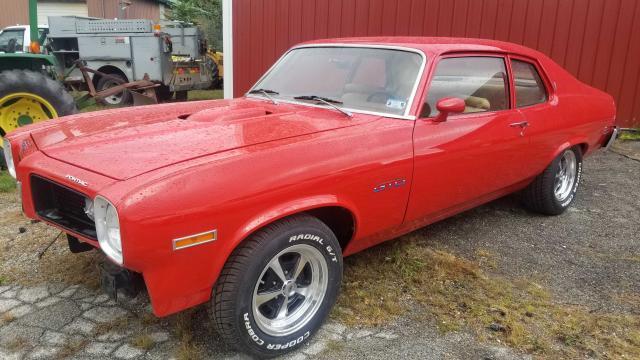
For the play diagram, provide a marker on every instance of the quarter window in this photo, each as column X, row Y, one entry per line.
column 480, row 81
column 529, row 87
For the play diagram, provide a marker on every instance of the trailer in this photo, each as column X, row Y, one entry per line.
column 128, row 51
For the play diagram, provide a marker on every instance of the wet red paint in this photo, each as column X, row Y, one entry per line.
column 236, row 165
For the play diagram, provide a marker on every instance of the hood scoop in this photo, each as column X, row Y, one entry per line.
column 224, row 115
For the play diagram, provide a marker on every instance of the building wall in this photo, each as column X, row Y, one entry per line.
column 596, row 40
column 140, row 9
column 17, row 11
column 14, row 12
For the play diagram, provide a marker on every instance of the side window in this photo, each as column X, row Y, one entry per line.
column 11, row 40
column 529, row 87
column 480, row 81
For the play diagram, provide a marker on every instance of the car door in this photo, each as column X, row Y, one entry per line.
column 535, row 101
column 471, row 157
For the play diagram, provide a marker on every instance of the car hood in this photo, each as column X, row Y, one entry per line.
column 125, row 143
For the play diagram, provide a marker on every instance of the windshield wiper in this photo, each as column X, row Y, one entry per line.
column 267, row 93
column 327, row 101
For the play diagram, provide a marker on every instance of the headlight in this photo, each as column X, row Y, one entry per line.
column 8, row 156
column 108, row 228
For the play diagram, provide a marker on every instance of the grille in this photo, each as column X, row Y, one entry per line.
column 62, row 206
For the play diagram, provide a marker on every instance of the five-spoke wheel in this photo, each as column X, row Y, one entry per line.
column 278, row 287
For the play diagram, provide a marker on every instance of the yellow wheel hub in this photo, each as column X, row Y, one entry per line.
column 20, row 109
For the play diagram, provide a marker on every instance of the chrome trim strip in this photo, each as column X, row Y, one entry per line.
column 215, row 237
column 612, row 139
column 406, row 115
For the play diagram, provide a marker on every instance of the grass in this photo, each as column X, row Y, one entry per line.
column 183, row 326
column 143, row 341
column 71, row 347
column 7, row 318
column 411, row 278
column 630, row 135
column 119, row 324
column 205, row 95
column 18, row 343
column 7, row 183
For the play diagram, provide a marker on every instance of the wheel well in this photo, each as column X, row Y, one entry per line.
column 583, row 147
column 107, row 69
column 339, row 220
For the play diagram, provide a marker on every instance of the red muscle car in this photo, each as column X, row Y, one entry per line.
column 250, row 204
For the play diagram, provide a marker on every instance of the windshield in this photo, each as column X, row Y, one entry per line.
column 11, row 40
column 360, row 78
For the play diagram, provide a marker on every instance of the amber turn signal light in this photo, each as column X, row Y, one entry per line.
column 34, row 47
column 196, row 239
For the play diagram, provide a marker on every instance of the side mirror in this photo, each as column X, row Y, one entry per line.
column 449, row 105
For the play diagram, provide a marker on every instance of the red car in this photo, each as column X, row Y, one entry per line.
column 250, row 204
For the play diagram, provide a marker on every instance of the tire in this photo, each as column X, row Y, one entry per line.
column 182, row 95
column 163, row 93
column 553, row 191
column 36, row 84
column 3, row 161
column 235, row 309
column 122, row 99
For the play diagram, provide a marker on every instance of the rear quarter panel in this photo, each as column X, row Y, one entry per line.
column 579, row 115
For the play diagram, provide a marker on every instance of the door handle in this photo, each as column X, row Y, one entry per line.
column 522, row 125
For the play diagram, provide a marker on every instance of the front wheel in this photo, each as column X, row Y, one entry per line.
column 553, row 191
column 278, row 287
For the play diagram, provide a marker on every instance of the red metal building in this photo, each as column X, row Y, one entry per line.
column 596, row 40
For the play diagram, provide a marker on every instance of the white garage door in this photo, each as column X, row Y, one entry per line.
column 54, row 8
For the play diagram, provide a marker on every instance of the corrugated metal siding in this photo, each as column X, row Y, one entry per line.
column 17, row 11
column 13, row 12
column 139, row 9
column 596, row 40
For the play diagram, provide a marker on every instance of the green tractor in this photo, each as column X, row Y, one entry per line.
column 29, row 88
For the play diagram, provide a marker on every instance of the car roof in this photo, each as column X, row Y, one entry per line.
column 436, row 45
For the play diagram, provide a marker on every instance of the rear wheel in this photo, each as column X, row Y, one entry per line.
column 278, row 287
column 120, row 99
column 553, row 191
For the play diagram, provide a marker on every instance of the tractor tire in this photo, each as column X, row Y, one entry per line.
column 28, row 97
column 121, row 99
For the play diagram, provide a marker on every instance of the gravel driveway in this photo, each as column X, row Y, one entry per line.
column 588, row 256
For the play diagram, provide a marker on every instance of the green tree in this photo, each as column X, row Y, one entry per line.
column 207, row 14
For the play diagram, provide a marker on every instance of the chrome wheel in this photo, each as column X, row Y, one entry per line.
column 565, row 175
column 290, row 290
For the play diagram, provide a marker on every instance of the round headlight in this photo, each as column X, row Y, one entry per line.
column 108, row 228
column 8, row 157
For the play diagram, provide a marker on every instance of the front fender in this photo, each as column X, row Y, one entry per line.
column 289, row 208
